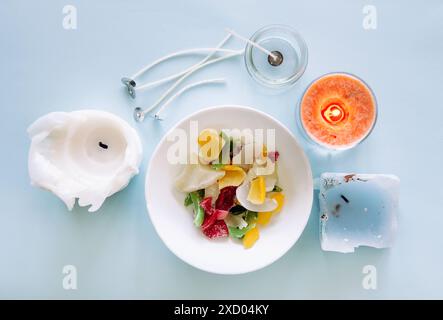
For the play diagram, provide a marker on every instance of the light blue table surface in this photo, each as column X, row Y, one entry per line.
column 117, row 253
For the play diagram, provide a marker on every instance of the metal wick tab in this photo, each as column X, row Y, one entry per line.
column 130, row 85
column 139, row 114
column 276, row 59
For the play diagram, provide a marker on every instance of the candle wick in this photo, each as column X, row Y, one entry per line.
column 252, row 43
column 102, row 145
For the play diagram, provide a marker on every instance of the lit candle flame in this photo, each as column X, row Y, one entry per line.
column 333, row 114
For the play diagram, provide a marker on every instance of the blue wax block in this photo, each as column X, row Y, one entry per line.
column 357, row 210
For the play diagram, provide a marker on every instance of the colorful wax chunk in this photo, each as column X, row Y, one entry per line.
column 357, row 210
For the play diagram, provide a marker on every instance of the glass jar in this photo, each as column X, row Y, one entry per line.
column 337, row 111
column 288, row 64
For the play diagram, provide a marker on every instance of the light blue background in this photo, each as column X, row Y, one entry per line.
column 45, row 68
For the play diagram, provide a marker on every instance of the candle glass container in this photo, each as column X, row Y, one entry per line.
column 288, row 60
column 337, row 111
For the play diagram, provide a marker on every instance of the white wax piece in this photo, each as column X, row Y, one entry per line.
column 357, row 210
column 85, row 154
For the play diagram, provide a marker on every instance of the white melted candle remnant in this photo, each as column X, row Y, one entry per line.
column 357, row 210
column 85, row 154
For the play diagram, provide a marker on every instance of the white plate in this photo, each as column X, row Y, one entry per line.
column 174, row 223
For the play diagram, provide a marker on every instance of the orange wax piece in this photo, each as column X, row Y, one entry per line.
column 338, row 110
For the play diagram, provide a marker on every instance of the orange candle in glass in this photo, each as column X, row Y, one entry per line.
column 338, row 111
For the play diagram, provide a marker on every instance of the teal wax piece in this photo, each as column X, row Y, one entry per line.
column 358, row 210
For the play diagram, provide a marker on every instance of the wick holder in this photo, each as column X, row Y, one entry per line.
column 130, row 85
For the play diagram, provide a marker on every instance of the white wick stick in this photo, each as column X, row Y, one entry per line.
column 198, row 63
column 184, row 89
column 187, row 75
column 179, row 74
column 252, row 43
